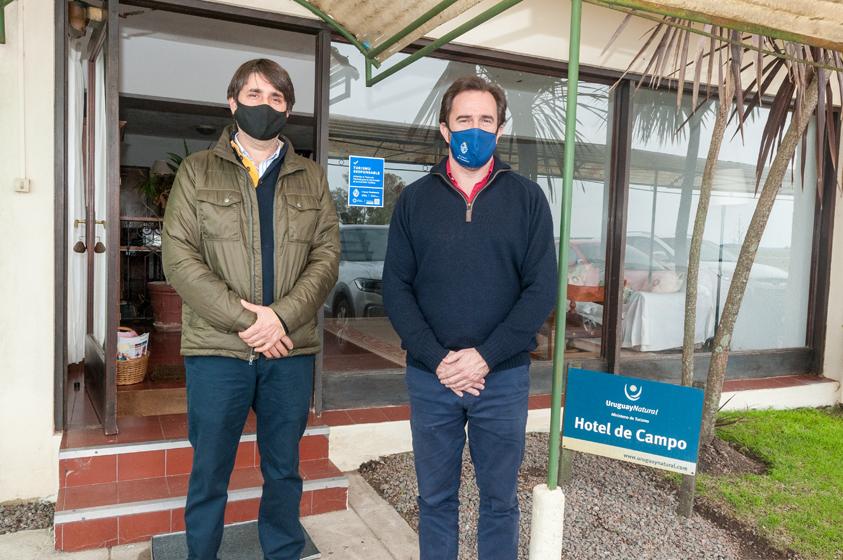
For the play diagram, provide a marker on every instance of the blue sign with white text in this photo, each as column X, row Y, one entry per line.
column 365, row 181
column 635, row 420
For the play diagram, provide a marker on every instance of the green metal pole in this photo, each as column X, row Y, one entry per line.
column 421, row 20
column 3, row 4
column 448, row 37
column 564, row 240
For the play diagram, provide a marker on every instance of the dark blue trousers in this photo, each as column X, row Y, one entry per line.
column 497, row 421
column 220, row 392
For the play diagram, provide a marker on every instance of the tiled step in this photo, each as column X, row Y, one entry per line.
column 118, row 493
column 170, row 457
column 145, row 429
column 105, row 515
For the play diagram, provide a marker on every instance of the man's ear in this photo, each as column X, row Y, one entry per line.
column 445, row 132
column 499, row 133
column 232, row 104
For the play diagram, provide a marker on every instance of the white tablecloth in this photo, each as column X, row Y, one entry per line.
column 654, row 321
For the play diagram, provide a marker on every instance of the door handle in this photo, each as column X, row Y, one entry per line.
column 99, row 247
column 79, row 246
column 78, row 222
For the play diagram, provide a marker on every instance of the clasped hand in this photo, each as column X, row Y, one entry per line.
column 463, row 371
column 267, row 334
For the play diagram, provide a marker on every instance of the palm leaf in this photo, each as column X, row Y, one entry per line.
column 698, row 67
column 735, row 67
column 641, row 51
column 759, row 64
column 617, row 33
column 680, row 87
column 792, row 67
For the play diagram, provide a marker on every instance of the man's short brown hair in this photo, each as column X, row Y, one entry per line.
column 271, row 71
column 472, row 83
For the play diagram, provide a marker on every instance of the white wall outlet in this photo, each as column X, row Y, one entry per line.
column 23, row 185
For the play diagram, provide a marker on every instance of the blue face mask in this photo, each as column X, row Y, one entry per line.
column 472, row 148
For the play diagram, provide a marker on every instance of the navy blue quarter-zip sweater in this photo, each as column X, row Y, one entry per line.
column 484, row 279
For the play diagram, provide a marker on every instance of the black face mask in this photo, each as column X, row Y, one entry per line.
column 261, row 122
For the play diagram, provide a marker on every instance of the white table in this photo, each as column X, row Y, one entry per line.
column 655, row 321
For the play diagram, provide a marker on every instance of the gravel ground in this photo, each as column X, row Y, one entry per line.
column 613, row 509
column 22, row 516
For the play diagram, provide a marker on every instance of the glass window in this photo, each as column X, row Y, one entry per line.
column 666, row 169
column 364, row 243
column 398, row 121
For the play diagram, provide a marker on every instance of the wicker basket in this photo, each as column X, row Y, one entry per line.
column 133, row 371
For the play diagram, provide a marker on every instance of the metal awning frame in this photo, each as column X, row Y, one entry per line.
column 370, row 53
column 3, row 4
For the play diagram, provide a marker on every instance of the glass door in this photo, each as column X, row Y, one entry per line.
column 102, row 184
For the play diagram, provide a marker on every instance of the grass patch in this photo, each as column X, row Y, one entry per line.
column 798, row 503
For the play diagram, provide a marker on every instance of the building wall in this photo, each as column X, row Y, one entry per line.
column 834, row 325
column 28, row 446
column 533, row 27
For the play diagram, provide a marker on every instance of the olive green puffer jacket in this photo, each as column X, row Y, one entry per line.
column 212, row 255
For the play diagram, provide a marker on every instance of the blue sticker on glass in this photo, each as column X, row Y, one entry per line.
column 365, row 181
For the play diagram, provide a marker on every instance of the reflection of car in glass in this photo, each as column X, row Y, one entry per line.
column 710, row 255
column 641, row 273
column 359, row 288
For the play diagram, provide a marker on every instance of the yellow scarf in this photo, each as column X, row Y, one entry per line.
column 248, row 164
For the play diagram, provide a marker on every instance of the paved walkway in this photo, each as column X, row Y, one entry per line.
column 369, row 530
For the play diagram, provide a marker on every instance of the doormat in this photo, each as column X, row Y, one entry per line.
column 166, row 373
column 152, row 402
column 239, row 542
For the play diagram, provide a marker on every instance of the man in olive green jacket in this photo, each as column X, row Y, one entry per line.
column 251, row 243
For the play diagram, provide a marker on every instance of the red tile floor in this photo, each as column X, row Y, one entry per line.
column 85, row 431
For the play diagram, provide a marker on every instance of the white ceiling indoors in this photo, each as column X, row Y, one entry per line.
column 175, row 69
column 189, row 58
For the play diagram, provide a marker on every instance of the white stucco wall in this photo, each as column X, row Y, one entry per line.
column 533, row 27
column 834, row 326
column 28, row 447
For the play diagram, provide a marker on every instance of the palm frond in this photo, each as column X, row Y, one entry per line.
column 779, row 68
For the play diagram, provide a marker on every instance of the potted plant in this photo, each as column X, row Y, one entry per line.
column 166, row 303
column 156, row 189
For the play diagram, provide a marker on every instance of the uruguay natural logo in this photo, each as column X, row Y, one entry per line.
column 632, row 392
column 464, row 148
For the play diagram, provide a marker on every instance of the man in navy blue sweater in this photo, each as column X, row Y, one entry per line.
column 469, row 277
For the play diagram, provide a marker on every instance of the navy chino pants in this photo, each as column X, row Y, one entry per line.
column 220, row 392
column 497, row 421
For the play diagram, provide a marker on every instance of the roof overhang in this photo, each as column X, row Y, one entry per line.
column 817, row 23
column 381, row 28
